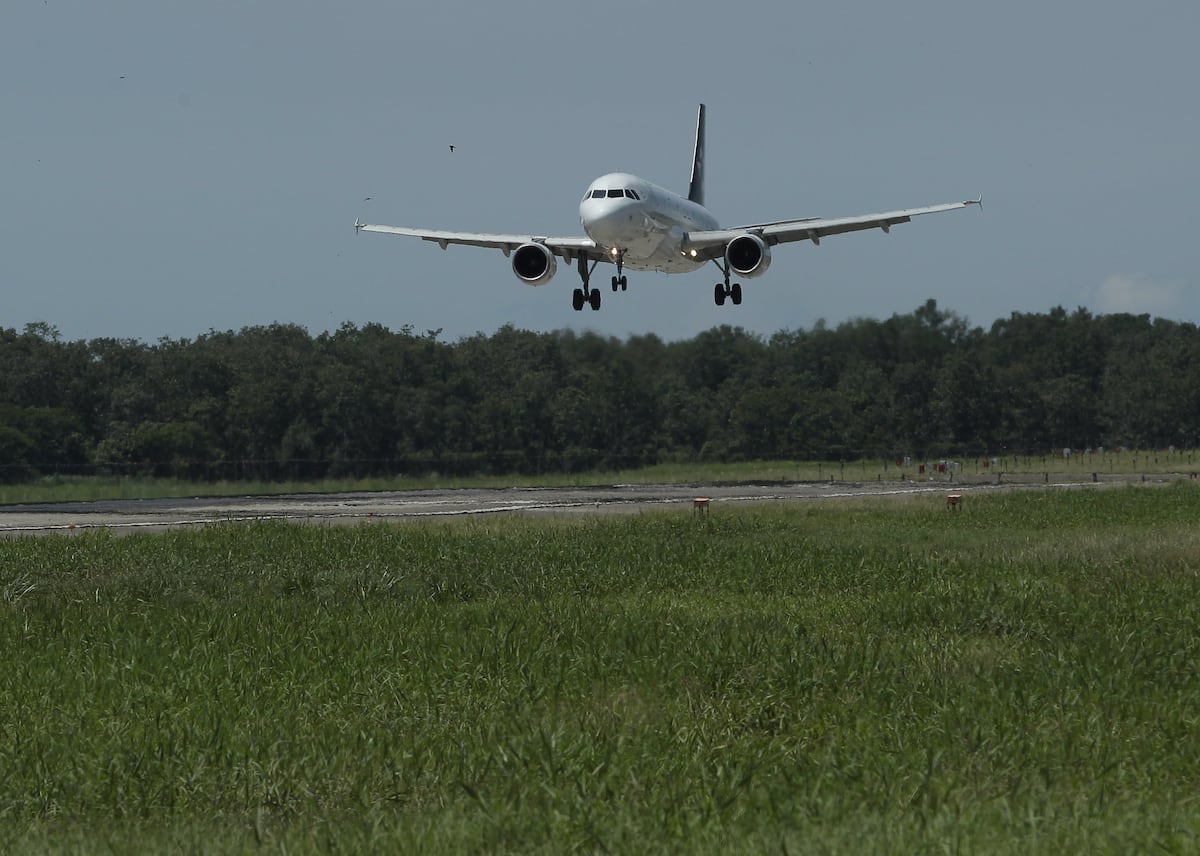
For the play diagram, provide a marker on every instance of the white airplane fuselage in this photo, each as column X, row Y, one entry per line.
column 649, row 227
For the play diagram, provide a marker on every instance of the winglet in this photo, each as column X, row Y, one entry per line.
column 978, row 201
column 358, row 226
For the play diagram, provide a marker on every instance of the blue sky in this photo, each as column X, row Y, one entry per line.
column 171, row 168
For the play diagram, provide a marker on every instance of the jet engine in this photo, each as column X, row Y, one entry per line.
column 533, row 264
column 748, row 255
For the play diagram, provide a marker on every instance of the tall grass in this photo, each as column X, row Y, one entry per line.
column 1018, row 677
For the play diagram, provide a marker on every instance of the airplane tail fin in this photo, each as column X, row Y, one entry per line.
column 696, row 189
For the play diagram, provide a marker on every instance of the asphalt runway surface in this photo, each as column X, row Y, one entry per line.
column 133, row 515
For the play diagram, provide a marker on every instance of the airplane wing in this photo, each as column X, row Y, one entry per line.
column 711, row 244
column 566, row 247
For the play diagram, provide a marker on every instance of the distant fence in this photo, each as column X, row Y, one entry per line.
column 310, row 469
column 1017, row 467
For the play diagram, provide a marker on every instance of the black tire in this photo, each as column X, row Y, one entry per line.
column 577, row 299
column 615, row 283
column 735, row 293
column 719, row 294
column 624, row 283
column 595, row 299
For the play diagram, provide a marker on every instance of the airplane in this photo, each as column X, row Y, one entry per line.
column 631, row 223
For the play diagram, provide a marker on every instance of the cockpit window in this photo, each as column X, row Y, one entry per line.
column 612, row 194
column 597, row 194
column 632, row 194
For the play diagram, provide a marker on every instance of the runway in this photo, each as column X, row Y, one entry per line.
column 132, row 515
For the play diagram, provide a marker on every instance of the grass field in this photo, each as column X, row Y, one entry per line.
column 1078, row 466
column 1019, row 677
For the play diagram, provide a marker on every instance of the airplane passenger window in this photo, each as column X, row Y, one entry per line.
column 597, row 194
column 615, row 193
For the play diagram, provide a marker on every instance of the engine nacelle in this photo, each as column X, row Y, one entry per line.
column 748, row 255
column 533, row 264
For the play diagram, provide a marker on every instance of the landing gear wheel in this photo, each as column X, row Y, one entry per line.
column 719, row 294
column 619, row 280
column 735, row 294
column 586, row 294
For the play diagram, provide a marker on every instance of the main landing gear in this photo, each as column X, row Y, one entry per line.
column 723, row 289
column 590, row 296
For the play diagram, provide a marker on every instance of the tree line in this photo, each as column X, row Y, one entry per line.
column 276, row 402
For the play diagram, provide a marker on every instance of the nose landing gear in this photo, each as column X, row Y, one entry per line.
column 619, row 281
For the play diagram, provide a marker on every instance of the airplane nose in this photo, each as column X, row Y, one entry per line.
column 606, row 222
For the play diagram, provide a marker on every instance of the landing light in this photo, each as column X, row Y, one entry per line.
column 614, row 252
